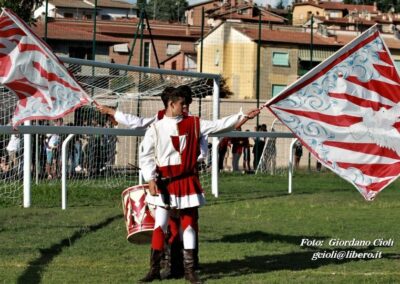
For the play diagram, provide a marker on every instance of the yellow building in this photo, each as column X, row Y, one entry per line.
column 231, row 50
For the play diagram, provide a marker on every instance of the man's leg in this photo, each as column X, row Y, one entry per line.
column 174, row 257
column 189, row 226
column 157, row 244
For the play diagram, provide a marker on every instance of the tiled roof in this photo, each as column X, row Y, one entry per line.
column 349, row 7
column 112, row 31
column 232, row 13
column 339, row 6
column 268, row 35
column 345, row 21
column 199, row 4
column 71, row 4
column 253, row 19
column 89, row 4
column 304, row 38
column 59, row 30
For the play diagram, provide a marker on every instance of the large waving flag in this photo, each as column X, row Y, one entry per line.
column 346, row 111
column 29, row 68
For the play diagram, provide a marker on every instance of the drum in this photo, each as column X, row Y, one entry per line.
column 139, row 219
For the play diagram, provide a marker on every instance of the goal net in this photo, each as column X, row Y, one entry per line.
column 276, row 152
column 105, row 159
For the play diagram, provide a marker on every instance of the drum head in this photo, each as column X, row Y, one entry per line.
column 144, row 237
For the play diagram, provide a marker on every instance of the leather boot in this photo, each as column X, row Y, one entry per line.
column 188, row 262
column 154, row 273
column 176, row 260
column 165, row 266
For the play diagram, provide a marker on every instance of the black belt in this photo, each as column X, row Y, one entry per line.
column 175, row 178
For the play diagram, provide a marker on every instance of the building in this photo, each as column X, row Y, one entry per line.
column 84, row 9
column 184, row 60
column 302, row 10
column 114, row 40
column 216, row 12
column 285, row 56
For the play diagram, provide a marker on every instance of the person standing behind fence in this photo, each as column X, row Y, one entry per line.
column 237, row 150
column 257, row 149
column 271, row 154
column 13, row 147
column 246, row 154
column 222, row 150
column 298, row 152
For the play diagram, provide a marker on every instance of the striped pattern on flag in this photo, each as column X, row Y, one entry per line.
column 346, row 111
column 28, row 67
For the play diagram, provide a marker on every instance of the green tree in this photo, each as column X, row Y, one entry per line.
column 166, row 10
column 23, row 8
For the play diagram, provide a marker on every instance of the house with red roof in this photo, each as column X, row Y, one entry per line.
column 302, row 10
column 217, row 11
column 114, row 40
column 84, row 9
column 286, row 53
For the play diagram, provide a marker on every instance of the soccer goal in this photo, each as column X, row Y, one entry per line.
column 275, row 157
column 95, row 150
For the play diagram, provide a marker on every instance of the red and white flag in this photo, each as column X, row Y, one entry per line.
column 29, row 68
column 346, row 111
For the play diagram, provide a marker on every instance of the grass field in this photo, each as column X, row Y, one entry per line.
column 250, row 234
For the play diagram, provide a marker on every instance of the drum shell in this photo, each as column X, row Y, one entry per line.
column 139, row 217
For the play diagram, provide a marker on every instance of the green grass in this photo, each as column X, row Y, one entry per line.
column 250, row 234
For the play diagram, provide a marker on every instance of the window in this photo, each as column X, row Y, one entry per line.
column 172, row 48
column 276, row 89
column 68, row 15
column 216, row 58
column 173, row 65
column 106, row 17
column 280, row 59
column 146, row 61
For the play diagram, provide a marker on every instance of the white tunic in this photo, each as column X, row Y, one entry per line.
column 133, row 121
column 156, row 150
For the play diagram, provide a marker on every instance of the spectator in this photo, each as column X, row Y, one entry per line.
column 271, row 154
column 258, row 149
column 237, row 150
column 4, row 168
column 246, row 154
column 77, row 156
column 52, row 143
column 319, row 166
column 13, row 147
column 298, row 152
column 222, row 150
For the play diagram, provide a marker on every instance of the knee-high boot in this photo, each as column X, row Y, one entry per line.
column 188, row 262
column 176, row 259
column 154, row 272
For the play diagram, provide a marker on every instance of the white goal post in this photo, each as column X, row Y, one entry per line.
column 128, row 88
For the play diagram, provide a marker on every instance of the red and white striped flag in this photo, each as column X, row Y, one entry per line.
column 346, row 111
column 29, row 68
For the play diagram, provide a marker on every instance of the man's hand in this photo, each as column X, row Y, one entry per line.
column 109, row 111
column 153, row 189
column 250, row 115
column 253, row 113
column 106, row 110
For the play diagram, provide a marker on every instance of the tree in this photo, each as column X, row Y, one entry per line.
column 23, row 8
column 166, row 10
